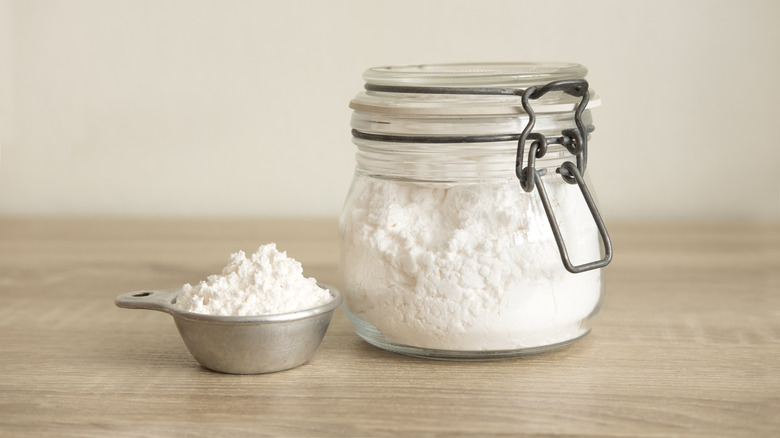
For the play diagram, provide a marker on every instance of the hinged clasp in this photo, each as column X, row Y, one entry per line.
column 576, row 142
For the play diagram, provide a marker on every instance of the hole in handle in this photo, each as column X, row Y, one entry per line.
column 142, row 294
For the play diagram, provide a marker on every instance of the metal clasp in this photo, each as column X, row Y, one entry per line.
column 576, row 142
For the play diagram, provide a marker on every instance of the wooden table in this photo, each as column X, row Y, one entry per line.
column 687, row 343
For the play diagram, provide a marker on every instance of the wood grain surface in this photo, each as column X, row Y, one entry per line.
column 687, row 344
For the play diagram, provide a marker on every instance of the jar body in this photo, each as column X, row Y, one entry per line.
column 462, row 270
column 444, row 254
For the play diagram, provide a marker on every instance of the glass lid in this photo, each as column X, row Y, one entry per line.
column 512, row 75
column 422, row 90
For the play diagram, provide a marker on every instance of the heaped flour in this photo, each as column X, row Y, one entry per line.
column 267, row 282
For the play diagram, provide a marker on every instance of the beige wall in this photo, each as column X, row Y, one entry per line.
column 238, row 108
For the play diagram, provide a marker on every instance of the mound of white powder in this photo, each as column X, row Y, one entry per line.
column 267, row 282
column 468, row 267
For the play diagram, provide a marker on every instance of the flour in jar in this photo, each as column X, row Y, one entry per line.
column 467, row 267
column 267, row 282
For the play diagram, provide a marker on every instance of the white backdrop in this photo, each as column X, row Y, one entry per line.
column 239, row 108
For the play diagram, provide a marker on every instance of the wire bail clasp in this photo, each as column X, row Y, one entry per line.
column 576, row 142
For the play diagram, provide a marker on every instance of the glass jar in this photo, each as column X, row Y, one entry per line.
column 468, row 231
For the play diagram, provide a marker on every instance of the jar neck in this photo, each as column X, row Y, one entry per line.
column 447, row 163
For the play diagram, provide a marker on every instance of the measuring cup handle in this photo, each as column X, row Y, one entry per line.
column 161, row 300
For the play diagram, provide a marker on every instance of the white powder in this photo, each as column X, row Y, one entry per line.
column 265, row 283
column 469, row 267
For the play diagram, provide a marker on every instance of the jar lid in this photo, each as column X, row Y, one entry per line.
column 510, row 75
column 392, row 89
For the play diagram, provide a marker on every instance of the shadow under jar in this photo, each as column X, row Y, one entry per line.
column 469, row 231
